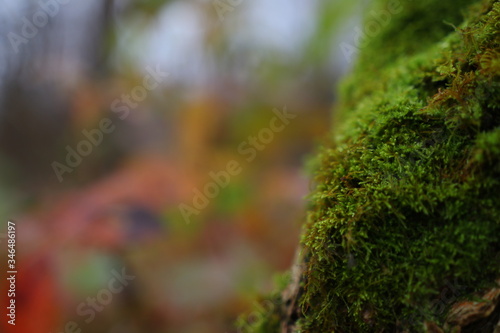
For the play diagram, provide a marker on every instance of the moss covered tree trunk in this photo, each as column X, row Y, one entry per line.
column 403, row 232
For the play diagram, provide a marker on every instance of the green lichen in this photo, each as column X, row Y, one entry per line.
column 408, row 194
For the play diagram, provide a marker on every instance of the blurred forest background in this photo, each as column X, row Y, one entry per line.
column 229, row 64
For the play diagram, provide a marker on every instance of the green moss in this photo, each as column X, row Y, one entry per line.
column 405, row 219
column 408, row 194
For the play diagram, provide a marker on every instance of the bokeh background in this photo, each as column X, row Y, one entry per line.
column 230, row 64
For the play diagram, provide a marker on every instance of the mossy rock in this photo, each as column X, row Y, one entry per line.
column 404, row 223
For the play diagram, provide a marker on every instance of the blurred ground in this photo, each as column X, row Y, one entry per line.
column 180, row 86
